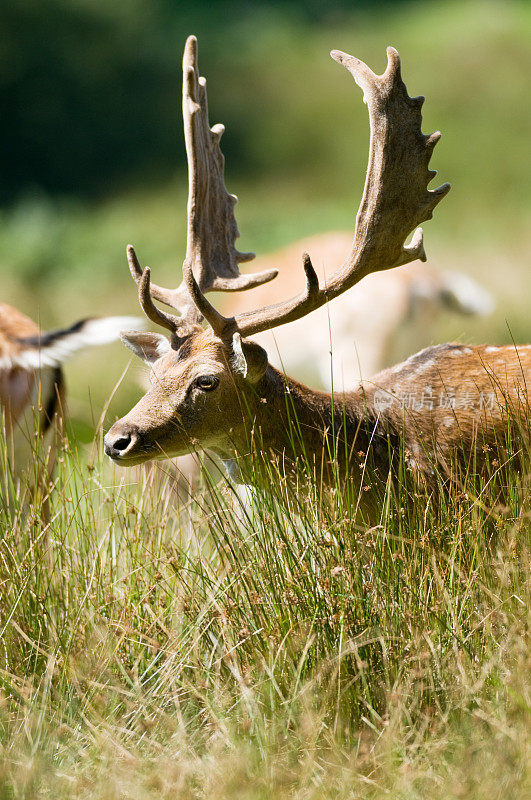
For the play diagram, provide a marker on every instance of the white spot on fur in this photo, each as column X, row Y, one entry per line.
column 426, row 366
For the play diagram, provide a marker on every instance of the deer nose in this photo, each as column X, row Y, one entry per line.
column 120, row 441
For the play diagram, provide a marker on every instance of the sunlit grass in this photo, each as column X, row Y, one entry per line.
column 280, row 644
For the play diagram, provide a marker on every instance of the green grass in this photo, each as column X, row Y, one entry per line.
column 210, row 649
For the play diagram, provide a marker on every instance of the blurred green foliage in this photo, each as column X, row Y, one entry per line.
column 93, row 97
column 90, row 87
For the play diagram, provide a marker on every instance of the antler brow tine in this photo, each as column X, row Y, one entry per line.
column 217, row 321
column 168, row 321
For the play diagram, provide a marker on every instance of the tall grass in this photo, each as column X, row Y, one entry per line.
column 278, row 645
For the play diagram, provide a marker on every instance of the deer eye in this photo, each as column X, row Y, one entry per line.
column 207, row 382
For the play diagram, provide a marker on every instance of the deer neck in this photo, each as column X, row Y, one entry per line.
column 292, row 420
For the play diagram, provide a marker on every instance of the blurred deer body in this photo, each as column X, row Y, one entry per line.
column 352, row 338
column 31, row 399
column 214, row 388
column 32, row 390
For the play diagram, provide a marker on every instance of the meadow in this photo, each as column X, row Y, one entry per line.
column 286, row 648
column 155, row 648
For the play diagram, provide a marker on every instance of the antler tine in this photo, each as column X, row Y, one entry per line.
column 168, row 321
column 175, row 298
column 225, row 327
column 395, row 199
column 212, row 229
column 178, row 326
column 219, row 324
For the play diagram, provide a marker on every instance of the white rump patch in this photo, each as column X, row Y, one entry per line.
column 464, row 295
column 92, row 333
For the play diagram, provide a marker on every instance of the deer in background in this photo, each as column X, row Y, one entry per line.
column 32, row 389
column 214, row 388
column 354, row 337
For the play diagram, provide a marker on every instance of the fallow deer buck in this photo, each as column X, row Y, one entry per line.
column 212, row 388
column 32, row 388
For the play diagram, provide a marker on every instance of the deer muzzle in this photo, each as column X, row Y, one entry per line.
column 120, row 441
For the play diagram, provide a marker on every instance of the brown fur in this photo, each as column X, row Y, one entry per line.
column 439, row 402
column 18, row 381
column 30, row 400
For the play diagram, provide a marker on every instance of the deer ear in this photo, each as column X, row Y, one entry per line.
column 248, row 359
column 147, row 346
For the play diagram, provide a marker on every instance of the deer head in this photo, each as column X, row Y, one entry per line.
column 208, row 382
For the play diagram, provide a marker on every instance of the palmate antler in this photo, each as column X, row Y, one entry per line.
column 211, row 254
column 395, row 200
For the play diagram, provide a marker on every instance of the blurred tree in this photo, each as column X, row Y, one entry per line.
column 90, row 88
column 83, row 82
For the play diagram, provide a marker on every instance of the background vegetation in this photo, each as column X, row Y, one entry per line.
column 197, row 652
